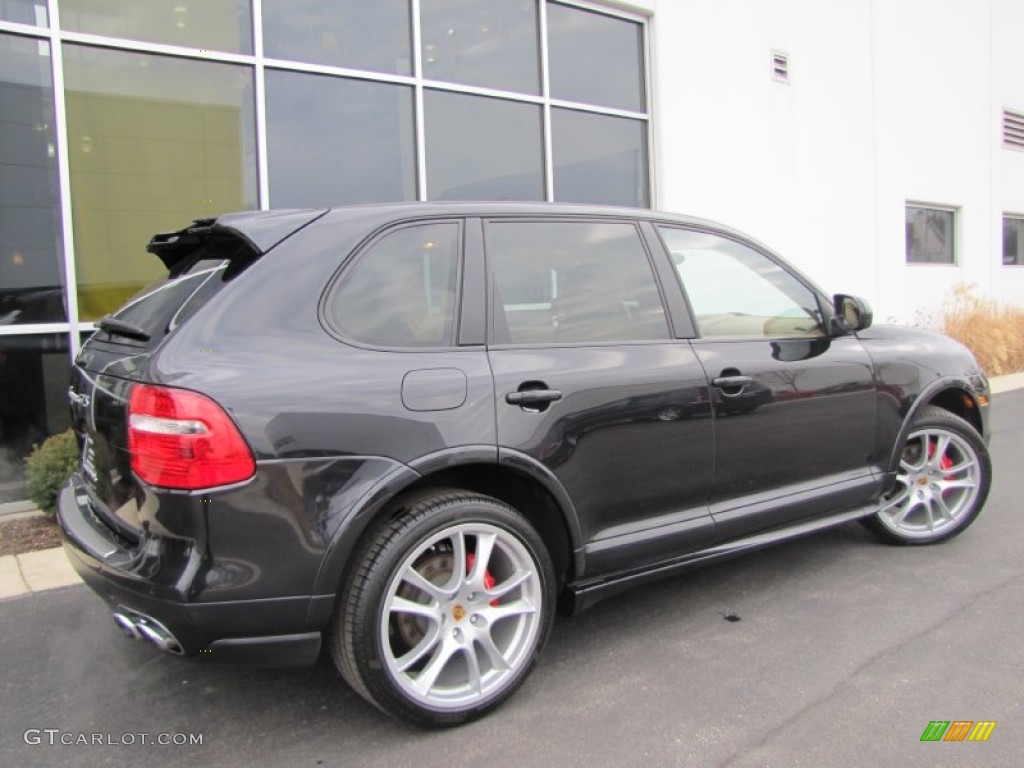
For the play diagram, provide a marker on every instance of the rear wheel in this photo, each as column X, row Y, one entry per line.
column 941, row 485
column 447, row 610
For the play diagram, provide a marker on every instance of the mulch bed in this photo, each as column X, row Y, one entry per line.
column 28, row 535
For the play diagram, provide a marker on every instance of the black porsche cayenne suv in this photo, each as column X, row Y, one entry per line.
column 410, row 432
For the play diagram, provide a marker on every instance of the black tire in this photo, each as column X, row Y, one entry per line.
column 387, row 618
column 944, row 478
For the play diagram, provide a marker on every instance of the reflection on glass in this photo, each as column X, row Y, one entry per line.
column 219, row 25
column 572, row 282
column 599, row 159
column 401, row 293
column 595, row 58
column 1013, row 240
column 31, row 274
column 34, row 374
column 154, row 142
column 736, row 291
column 930, row 236
column 24, row 12
column 333, row 140
column 482, row 149
column 342, row 33
column 490, row 43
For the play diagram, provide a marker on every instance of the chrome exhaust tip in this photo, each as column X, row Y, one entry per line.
column 127, row 625
column 140, row 627
column 159, row 636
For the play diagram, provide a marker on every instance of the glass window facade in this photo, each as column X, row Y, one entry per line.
column 479, row 148
column 335, row 140
column 211, row 25
column 375, row 36
column 596, row 58
column 31, row 256
column 490, row 43
column 34, row 374
column 153, row 142
column 120, row 120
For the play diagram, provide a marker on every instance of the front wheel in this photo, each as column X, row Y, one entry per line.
column 447, row 611
column 943, row 480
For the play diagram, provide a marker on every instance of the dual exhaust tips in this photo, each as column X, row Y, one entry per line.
column 140, row 627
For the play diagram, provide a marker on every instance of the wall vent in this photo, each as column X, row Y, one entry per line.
column 1013, row 129
column 780, row 66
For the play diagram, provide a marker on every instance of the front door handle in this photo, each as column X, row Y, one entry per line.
column 731, row 382
column 528, row 397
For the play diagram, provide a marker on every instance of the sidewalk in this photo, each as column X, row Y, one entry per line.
column 50, row 569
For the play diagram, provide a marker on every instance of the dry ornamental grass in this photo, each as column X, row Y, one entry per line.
column 993, row 332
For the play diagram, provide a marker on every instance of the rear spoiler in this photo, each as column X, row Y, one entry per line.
column 258, row 230
column 172, row 247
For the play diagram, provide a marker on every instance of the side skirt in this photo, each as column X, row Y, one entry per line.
column 582, row 595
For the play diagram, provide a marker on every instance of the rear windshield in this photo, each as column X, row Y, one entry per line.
column 196, row 278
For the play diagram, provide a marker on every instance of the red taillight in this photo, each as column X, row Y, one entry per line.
column 181, row 439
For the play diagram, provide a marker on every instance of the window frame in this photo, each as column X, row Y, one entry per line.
column 825, row 309
column 1019, row 219
column 652, row 257
column 356, row 256
column 954, row 212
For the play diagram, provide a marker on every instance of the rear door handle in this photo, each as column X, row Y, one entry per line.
column 731, row 382
column 533, row 396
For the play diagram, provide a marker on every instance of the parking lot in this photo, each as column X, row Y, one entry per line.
column 831, row 650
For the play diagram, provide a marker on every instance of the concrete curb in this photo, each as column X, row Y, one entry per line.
column 50, row 569
column 35, row 572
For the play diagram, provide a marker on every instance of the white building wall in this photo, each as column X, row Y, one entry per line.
column 889, row 101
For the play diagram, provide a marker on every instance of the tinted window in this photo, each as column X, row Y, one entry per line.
column 931, row 235
column 480, row 148
column 595, row 58
column 1013, row 240
column 173, row 142
column 572, row 282
column 401, row 291
column 360, row 34
column 491, row 43
column 168, row 302
column 222, row 25
column 31, row 271
column 365, row 157
column 599, row 159
column 736, row 291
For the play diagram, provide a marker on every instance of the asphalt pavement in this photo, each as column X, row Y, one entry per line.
column 833, row 650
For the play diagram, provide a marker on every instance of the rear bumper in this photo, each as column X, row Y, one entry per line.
column 132, row 579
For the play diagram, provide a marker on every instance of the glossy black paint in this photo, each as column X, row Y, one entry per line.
column 642, row 466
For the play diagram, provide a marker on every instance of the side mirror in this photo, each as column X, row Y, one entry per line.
column 852, row 314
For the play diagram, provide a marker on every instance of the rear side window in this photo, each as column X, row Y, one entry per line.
column 401, row 291
column 573, row 281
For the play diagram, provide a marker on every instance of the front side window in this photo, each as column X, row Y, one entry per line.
column 401, row 291
column 930, row 235
column 1013, row 240
column 738, row 292
column 565, row 282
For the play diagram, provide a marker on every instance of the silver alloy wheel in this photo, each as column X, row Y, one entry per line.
column 460, row 618
column 938, row 481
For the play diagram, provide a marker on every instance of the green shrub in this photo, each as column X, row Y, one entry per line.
column 48, row 468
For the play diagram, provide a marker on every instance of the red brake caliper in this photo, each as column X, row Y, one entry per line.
column 488, row 578
column 944, row 463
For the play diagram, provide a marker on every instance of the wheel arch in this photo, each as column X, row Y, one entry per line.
column 511, row 477
column 951, row 394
